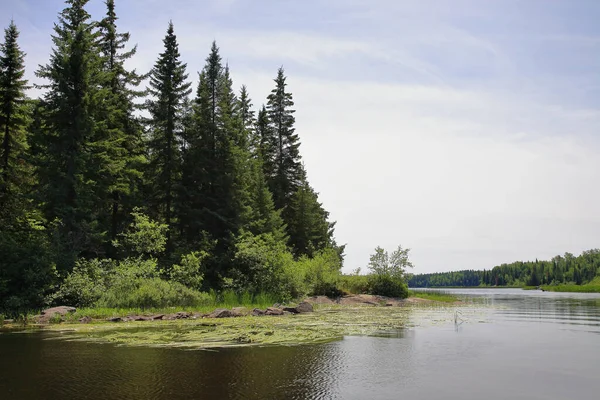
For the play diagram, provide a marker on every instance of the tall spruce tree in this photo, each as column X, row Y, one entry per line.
column 14, row 168
column 119, row 137
column 66, row 168
column 26, row 269
column 169, row 90
column 288, row 170
column 214, row 199
column 308, row 228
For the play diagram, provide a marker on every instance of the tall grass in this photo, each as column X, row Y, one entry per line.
column 211, row 301
column 434, row 295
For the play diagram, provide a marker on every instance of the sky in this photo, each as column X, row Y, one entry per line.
column 465, row 130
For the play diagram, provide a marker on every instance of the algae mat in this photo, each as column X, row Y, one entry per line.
column 326, row 324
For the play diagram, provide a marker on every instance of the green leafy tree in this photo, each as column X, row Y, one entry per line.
column 169, row 89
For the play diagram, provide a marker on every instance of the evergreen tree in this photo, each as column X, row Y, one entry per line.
column 169, row 90
column 119, row 138
column 288, row 171
column 266, row 144
column 308, row 228
column 14, row 168
column 66, row 167
column 26, row 270
column 246, row 118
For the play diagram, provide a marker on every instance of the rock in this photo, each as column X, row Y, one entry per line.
column 257, row 312
column 291, row 310
column 138, row 318
column 273, row 311
column 62, row 311
column 157, row 317
column 304, row 307
column 50, row 313
column 221, row 313
column 85, row 320
column 115, row 319
column 240, row 311
column 182, row 315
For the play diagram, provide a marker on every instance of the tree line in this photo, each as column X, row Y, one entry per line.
column 108, row 160
column 566, row 269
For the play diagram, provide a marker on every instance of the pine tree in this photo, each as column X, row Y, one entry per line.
column 120, row 137
column 26, row 269
column 66, row 168
column 308, row 228
column 14, row 168
column 288, row 171
column 246, row 118
column 266, row 144
column 169, row 89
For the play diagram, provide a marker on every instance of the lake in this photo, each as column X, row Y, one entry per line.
column 505, row 344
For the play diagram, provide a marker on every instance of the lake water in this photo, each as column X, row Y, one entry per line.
column 515, row 345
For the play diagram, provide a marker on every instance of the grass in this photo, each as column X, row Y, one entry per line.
column 587, row 288
column 434, row 295
column 227, row 299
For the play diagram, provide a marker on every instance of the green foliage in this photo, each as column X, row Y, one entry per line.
column 322, row 273
column 14, row 167
column 393, row 265
column 388, row 272
column 27, row 271
column 67, row 164
column 262, row 264
column 308, row 227
column 434, row 295
column 189, row 271
column 169, row 89
column 354, row 284
column 213, row 196
column 144, row 237
column 149, row 293
column 84, row 286
column 387, row 285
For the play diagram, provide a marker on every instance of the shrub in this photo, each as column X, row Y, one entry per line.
column 262, row 264
column 152, row 293
column 144, row 237
column 320, row 274
column 85, row 284
column 386, row 285
column 354, row 284
column 189, row 271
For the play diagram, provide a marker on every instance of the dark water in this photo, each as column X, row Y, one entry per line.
column 523, row 345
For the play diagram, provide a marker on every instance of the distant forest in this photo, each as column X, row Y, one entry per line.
column 566, row 269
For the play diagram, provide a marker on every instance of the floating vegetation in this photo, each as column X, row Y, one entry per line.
column 329, row 323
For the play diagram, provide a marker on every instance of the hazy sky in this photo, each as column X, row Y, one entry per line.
column 467, row 130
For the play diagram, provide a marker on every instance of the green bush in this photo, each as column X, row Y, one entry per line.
column 152, row 293
column 354, row 284
column 262, row 264
column 189, row 271
column 85, row 284
column 320, row 274
column 386, row 285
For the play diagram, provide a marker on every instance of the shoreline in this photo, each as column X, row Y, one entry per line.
column 360, row 315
